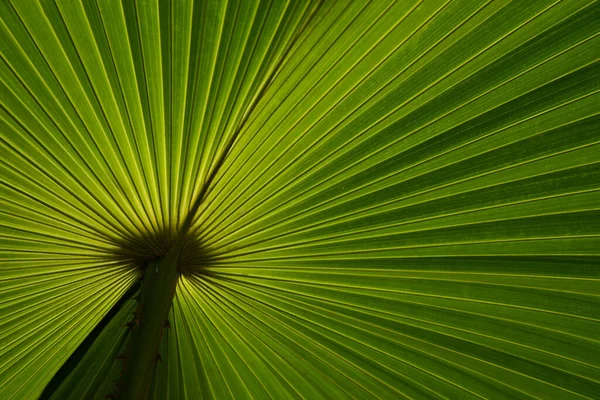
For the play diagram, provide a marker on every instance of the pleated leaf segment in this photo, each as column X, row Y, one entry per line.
column 299, row 199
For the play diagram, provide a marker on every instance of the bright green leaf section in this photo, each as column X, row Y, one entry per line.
column 95, row 374
column 388, row 199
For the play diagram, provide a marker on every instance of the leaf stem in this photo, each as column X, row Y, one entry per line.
column 156, row 295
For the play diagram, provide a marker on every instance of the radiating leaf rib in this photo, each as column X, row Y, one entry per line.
column 97, row 369
column 365, row 199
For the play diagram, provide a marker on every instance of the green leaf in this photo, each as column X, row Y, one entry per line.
column 365, row 199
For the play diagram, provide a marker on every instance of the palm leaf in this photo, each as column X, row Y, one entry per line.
column 369, row 199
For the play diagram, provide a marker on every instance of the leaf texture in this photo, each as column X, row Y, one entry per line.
column 387, row 199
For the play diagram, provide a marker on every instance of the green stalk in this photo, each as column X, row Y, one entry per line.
column 156, row 295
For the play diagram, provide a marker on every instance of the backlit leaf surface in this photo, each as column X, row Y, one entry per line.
column 389, row 199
